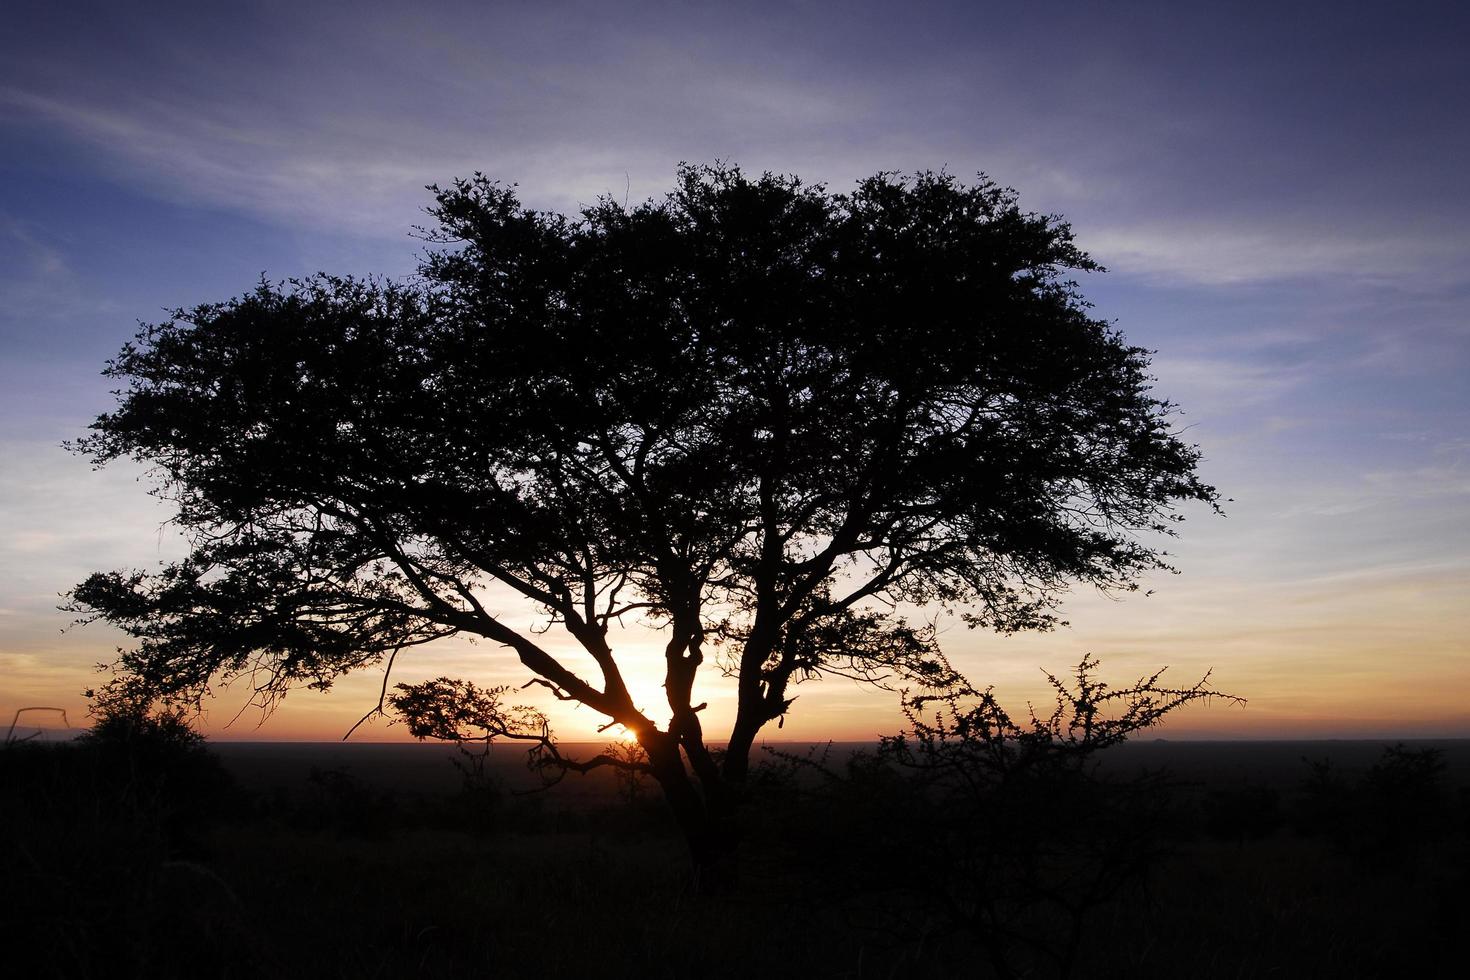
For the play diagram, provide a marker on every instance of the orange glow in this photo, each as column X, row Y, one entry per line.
column 1376, row 656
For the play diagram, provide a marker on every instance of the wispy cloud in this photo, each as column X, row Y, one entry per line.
column 1151, row 157
column 1226, row 384
column 37, row 280
column 1219, row 253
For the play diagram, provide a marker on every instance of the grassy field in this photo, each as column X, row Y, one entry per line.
column 379, row 861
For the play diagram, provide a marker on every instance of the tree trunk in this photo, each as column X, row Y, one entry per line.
column 703, row 819
column 736, row 766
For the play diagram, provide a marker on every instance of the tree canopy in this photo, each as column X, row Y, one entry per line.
column 756, row 414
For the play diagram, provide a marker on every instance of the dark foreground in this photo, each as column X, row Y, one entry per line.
column 1255, row 859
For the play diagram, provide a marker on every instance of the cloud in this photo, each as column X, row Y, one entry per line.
column 38, row 281
column 1223, row 388
column 29, row 251
column 1447, row 476
column 1152, row 157
column 62, row 520
column 182, row 153
column 1217, row 253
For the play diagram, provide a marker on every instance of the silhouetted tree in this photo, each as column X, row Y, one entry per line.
column 754, row 414
column 152, row 765
column 1401, row 802
column 1024, row 838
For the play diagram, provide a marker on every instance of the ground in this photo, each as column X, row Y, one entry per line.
column 275, row 865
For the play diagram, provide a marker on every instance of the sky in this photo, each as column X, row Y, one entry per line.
column 1278, row 192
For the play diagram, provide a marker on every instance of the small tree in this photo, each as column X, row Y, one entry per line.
column 754, row 414
column 121, row 717
column 1023, row 837
column 150, row 763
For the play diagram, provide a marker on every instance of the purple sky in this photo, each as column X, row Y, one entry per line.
column 1278, row 191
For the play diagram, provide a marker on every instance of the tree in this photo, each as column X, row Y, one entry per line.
column 1061, row 840
column 757, row 415
column 1005, row 831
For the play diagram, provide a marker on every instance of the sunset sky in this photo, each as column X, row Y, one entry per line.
column 1278, row 191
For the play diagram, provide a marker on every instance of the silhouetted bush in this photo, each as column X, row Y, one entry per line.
column 972, row 828
column 1406, row 791
column 156, row 754
column 1400, row 803
column 103, row 846
column 1325, row 801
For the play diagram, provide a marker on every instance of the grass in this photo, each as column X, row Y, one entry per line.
column 114, row 869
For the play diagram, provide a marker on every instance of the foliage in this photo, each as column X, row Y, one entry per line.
column 1399, row 803
column 459, row 711
column 755, row 415
column 153, row 757
column 971, row 732
column 99, row 844
column 1407, row 781
column 1022, row 839
column 119, row 721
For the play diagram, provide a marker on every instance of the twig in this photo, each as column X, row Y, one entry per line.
column 382, row 695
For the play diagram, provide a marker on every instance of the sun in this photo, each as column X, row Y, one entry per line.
column 626, row 736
